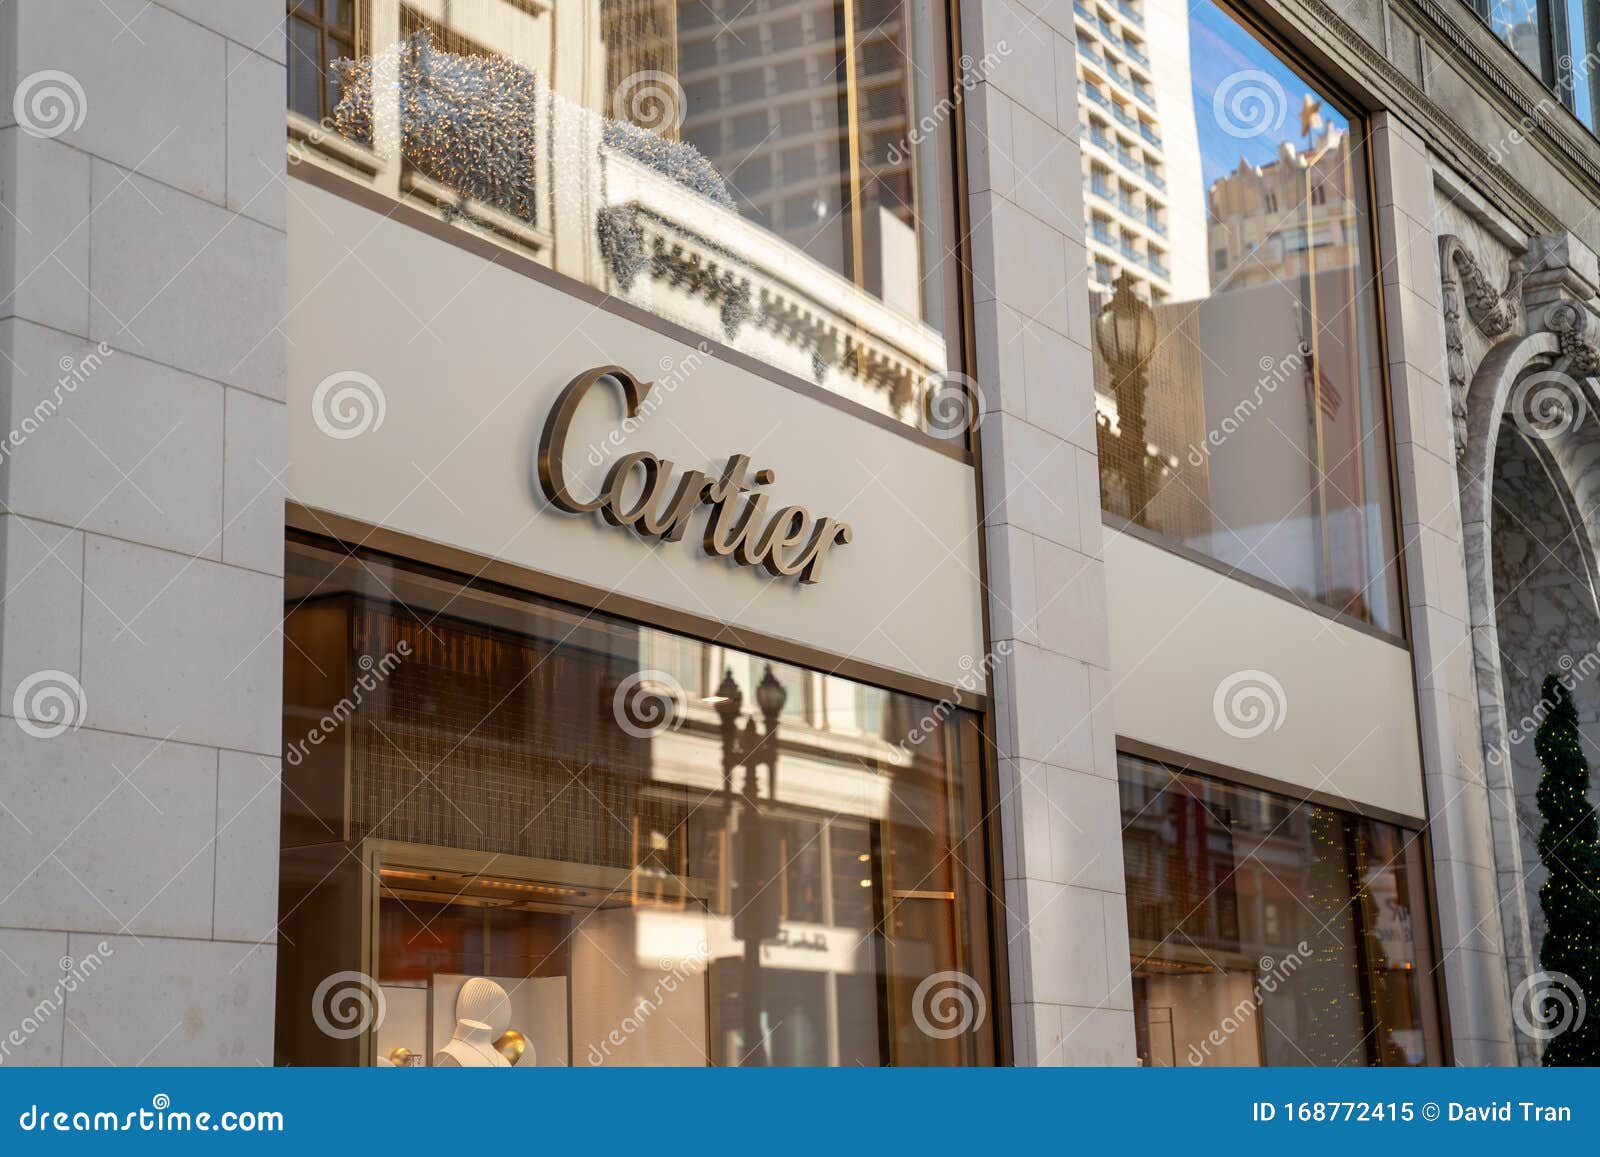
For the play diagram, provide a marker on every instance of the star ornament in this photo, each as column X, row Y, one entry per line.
column 1310, row 115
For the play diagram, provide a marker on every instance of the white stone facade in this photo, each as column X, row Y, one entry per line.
column 142, row 271
column 143, row 377
column 1055, row 738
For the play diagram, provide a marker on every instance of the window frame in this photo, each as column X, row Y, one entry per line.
column 348, row 168
column 975, row 838
column 1555, row 45
column 319, row 22
column 1272, row 37
column 1426, row 933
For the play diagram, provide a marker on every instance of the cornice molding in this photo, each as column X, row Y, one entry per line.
column 1393, row 88
column 1572, row 150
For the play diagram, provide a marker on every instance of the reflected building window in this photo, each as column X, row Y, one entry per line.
column 1240, row 403
column 1557, row 40
column 626, row 846
column 1266, row 931
column 321, row 33
column 769, row 176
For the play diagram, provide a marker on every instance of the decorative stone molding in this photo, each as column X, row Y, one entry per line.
column 1578, row 331
column 1559, row 298
column 1559, row 331
column 1436, row 124
column 1493, row 311
column 1447, row 23
column 1556, row 297
column 637, row 241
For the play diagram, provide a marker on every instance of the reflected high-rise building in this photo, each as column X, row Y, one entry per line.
column 829, row 171
column 1145, row 222
column 1141, row 156
column 641, row 38
column 1286, row 219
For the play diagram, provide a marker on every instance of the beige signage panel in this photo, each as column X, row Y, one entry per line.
column 1213, row 668
column 449, row 367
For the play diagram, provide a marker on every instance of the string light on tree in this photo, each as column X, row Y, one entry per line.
column 1569, row 848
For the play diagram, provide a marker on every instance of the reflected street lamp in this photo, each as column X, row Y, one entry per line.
column 1125, row 331
column 755, row 899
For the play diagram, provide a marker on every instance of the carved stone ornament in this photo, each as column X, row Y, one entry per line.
column 1494, row 313
column 1572, row 325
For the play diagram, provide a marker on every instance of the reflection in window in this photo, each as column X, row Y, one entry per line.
column 321, row 32
column 760, row 174
column 1237, row 370
column 625, row 847
column 1270, row 932
column 1521, row 25
column 1559, row 42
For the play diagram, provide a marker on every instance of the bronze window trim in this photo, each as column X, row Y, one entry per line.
column 990, row 830
column 411, row 216
column 1287, row 39
column 1281, row 39
column 319, row 20
column 1436, row 1011
column 962, row 345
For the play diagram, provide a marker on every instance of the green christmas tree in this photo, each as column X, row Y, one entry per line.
column 1569, row 848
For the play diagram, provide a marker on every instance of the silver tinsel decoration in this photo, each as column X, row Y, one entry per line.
column 471, row 122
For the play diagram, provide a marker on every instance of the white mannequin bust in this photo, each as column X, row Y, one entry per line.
column 483, row 1013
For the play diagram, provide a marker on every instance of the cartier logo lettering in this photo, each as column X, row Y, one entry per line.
column 641, row 492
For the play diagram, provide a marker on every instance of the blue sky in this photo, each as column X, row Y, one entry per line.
column 1218, row 48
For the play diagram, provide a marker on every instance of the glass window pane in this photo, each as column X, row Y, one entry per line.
column 1577, row 66
column 549, row 813
column 305, row 70
column 1241, row 410
column 1266, row 931
column 762, row 175
column 1520, row 23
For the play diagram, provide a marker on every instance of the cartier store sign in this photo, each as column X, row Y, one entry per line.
column 641, row 492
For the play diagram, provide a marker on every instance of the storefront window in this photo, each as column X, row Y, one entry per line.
column 1238, row 374
column 1266, row 931
column 770, row 175
column 516, row 828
